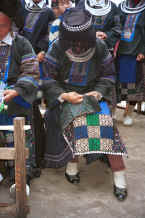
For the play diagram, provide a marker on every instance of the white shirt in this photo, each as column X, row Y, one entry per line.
column 30, row 3
column 99, row 2
column 7, row 39
column 117, row 2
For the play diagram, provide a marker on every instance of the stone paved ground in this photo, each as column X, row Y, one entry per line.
column 53, row 197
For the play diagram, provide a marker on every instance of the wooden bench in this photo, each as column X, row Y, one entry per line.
column 19, row 154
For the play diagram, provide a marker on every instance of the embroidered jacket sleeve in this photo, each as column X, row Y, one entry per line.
column 106, row 82
column 52, row 67
column 43, row 41
column 141, row 31
column 27, row 81
column 114, row 27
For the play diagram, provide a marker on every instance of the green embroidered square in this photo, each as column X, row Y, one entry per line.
column 94, row 144
column 93, row 120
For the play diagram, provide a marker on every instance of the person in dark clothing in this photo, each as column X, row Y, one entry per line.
column 106, row 20
column 19, row 74
column 38, row 17
column 131, row 56
column 59, row 7
column 81, row 77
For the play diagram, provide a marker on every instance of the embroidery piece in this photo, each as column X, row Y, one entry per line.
column 100, row 22
column 93, row 133
column 78, row 74
column 129, row 28
column 31, row 21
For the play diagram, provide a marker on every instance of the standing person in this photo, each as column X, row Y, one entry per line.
column 58, row 7
column 81, row 77
column 18, row 85
column 131, row 55
column 107, row 23
column 38, row 17
column 106, row 20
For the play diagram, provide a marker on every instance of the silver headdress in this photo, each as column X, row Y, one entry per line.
column 128, row 9
column 34, row 8
column 98, row 7
column 78, row 28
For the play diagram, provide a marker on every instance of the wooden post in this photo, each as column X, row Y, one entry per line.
column 139, row 107
column 20, row 167
column 19, row 153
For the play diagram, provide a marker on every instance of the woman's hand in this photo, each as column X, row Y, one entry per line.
column 101, row 35
column 96, row 94
column 40, row 56
column 9, row 94
column 72, row 97
column 140, row 57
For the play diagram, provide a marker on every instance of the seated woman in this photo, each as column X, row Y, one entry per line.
column 19, row 76
column 79, row 85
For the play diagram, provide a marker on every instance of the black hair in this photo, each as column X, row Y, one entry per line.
column 12, row 8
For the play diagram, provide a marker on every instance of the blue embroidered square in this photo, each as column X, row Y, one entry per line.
column 106, row 132
column 81, row 132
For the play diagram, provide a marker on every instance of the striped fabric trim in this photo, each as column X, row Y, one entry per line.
column 28, row 57
column 110, row 78
column 29, row 79
column 101, row 152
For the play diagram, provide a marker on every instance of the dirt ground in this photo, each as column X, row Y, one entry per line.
column 53, row 197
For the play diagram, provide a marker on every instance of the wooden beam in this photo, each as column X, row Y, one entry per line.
column 139, row 107
column 9, row 153
column 20, row 167
column 19, row 153
column 11, row 127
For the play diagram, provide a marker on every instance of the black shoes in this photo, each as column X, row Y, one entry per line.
column 75, row 179
column 120, row 193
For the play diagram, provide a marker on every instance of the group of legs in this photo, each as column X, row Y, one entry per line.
column 115, row 162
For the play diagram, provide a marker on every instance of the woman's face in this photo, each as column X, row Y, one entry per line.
column 5, row 25
column 61, row 8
